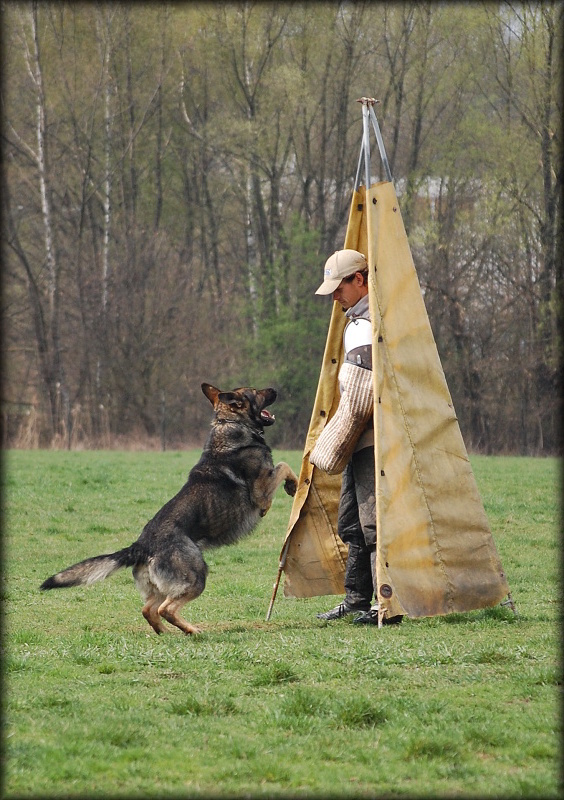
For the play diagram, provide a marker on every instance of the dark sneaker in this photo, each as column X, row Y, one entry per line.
column 367, row 618
column 371, row 618
column 338, row 612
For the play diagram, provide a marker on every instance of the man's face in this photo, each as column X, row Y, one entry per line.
column 348, row 292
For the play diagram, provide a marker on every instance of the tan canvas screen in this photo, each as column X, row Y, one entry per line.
column 435, row 552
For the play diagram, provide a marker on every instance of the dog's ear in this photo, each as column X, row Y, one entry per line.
column 210, row 392
column 231, row 399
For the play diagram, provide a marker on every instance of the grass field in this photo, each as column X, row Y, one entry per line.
column 97, row 705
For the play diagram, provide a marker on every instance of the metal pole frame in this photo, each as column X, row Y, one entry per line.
column 368, row 116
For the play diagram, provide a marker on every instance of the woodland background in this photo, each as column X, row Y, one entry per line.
column 175, row 175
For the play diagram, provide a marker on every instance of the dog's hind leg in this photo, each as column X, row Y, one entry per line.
column 151, row 597
column 169, row 611
column 151, row 613
column 178, row 571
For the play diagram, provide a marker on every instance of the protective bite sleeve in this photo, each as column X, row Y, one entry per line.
column 339, row 437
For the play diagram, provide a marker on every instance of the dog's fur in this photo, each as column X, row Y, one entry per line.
column 227, row 492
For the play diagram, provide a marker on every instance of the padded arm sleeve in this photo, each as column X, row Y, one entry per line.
column 338, row 439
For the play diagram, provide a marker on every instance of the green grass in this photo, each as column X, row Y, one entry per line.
column 96, row 704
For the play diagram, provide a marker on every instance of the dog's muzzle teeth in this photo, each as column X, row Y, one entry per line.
column 266, row 417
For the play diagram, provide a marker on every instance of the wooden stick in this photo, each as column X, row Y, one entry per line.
column 277, row 581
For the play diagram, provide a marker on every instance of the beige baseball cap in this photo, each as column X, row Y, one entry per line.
column 340, row 265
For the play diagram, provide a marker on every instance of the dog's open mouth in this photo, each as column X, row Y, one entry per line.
column 266, row 417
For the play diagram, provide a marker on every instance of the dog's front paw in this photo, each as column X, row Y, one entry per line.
column 291, row 486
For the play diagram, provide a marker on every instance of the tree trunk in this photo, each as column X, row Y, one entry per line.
column 56, row 385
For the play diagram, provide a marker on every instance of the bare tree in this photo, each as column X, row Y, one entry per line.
column 44, row 292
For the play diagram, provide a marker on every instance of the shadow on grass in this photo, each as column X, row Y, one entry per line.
column 495, row 614
column 486, row 616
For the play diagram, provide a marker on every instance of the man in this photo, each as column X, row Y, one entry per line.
column 346, row 278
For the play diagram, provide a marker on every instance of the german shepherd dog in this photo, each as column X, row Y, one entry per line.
column 227, row 492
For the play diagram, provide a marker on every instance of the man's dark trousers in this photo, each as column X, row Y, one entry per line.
column 356, row 526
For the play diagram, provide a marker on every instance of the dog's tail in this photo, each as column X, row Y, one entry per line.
column 94, row 569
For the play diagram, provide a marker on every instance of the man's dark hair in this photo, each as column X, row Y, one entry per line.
column 363, row 272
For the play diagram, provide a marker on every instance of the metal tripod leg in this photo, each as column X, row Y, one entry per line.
column 368, row 116
column 381, row 147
